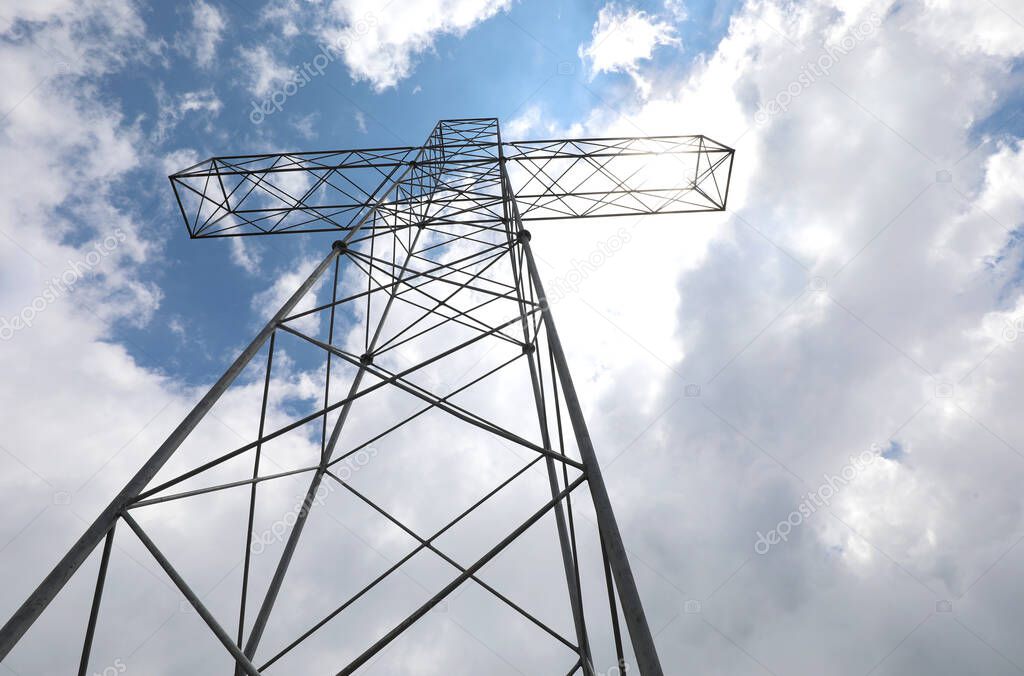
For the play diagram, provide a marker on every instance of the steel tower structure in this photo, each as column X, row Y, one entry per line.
column 432, row 272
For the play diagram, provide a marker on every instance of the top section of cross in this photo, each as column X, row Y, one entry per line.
column 332, row 190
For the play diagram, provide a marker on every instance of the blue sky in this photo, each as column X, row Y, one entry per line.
column 862, row 294
column 526, row 56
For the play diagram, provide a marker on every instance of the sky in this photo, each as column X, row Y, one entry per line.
column 805, row 407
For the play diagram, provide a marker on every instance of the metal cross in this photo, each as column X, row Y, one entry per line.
column 432, row 260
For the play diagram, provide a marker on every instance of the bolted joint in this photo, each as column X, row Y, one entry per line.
column 339, row 246
column 529, row 348
column 524, row 235
column 366, row 359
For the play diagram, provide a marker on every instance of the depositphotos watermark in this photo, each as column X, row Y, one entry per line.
column 614, row 670
column 1012, row 329
column 310, row 70
column 570, row 282
column 819, row 68
column 816, row 499
column 118, row 667
column 61, row 285
column 277, row 530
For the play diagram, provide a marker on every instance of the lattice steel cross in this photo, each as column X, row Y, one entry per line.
column 439, row 285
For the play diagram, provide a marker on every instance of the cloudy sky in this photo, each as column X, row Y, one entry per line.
column 803, row 406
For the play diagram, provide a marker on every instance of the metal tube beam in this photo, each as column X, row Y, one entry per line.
column 94, row 613
column 613, row 606
column 37, row 602
column 632, row 608
column 252, row 490
column 457, row 582
column 241, row 660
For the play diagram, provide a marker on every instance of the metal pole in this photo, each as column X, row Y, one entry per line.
column 94, row 613
column 632, row 608
column 252, row 490
column 30, row 610
column 568, row 560
column 240, row 659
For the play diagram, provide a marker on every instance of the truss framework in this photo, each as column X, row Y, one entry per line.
column 436, row 235
column 560, row 178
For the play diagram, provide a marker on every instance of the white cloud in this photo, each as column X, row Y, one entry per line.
column 263, row 72
column 11, row 14
column 77, row 263
column 360, row 118
column 677, row 8
column 62, row 218
column 990, row 28
column 622, row 38
column 532, row 122
column 922, row 277
column 42, row 134
column 207, row 32
column 380, row 44
column 523, row 124
column 245, row 255
column 173, row 109
column 306, row 125
column 266, row 302
column 283, row 13
column 793, row 380
column 177, row 160
column 73, row 391
column 177, row 327
column 204, row 100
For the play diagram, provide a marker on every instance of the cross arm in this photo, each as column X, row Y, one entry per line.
column 289, row 192
column 620, row 176
column 333, row 190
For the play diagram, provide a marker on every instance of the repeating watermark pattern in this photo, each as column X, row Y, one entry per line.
column 818, row 68
column 569, row 283
column 616, row 670
column 276, row 531
column 61, row 285
column 1013, row 328
column 117, row 667
column 816, row 499
column 302, row 75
